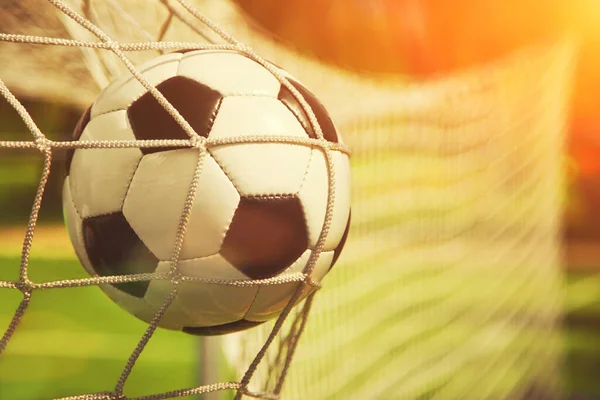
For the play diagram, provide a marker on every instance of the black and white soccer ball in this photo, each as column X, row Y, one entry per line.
column 259, row 208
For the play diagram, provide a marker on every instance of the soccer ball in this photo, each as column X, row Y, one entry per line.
column 259, row 208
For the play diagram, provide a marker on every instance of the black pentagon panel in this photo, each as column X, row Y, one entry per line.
column 266, row 236
column 327, row 126
column 113, row 248
column 77, row 132
column 338, row 250
column 231, row 327
column 197, row 103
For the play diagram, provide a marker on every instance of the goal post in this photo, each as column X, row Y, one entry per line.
column 450, row 284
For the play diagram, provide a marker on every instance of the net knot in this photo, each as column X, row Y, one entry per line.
column 25, row 287
column 197, row 141
column 176, row 277
column 43, row 144
column 112, row 45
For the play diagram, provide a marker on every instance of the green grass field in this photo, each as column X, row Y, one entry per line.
column 582, row 335
column 73, row 341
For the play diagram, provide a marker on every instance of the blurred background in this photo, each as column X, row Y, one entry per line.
column 415, row 40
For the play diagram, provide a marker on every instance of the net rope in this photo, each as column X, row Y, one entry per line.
column 46, row 146
column 450, row 285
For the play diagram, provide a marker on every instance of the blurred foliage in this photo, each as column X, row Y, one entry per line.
column 582, row 343
column 20, row 170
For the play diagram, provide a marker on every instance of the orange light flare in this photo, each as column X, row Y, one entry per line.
column 412, row 37
column 585, row 22
column 584, row 139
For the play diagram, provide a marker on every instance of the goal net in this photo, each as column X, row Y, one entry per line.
column 450, row 283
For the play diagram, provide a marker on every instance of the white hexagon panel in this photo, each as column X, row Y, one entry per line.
column 261, row 168
column 229, row 72
column 99, row 178
column 205, row 308
column 314, row 197
column 160, row 188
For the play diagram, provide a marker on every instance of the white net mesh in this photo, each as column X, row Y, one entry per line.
column 449, row 286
